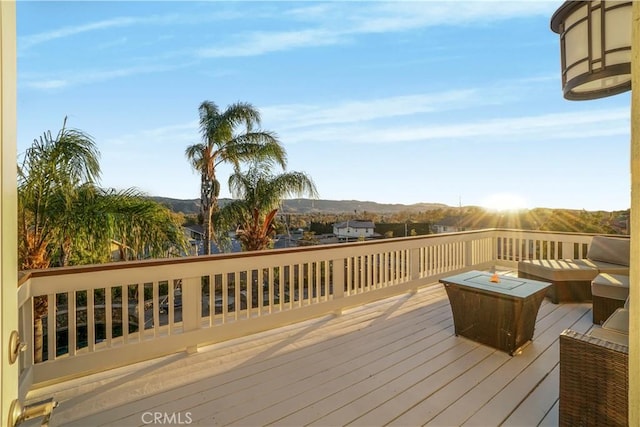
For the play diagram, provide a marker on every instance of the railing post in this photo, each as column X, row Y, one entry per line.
column 191, row 307
column 338, row 281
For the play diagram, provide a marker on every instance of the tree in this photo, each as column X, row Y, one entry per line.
column 259, row 194
column 142, row 228
column 64, row 218
column 223, row 143
column 49, row 178
column 51, row 172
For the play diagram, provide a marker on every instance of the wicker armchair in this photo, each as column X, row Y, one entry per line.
column 594, row 381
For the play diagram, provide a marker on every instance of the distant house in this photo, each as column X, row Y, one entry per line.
column 194, row 232
column 449, row 224
column 195, row 235
column 118, row 250
column 353, row 229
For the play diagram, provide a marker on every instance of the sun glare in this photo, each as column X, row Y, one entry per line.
column 504, row 202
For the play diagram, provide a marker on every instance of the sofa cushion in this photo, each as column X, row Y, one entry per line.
column 618, row 321
column 560, row 270
column 611, row 286
column 605, row 267
column 613, row 250
column 610, row 335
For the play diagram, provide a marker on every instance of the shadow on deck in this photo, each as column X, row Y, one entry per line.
column 392, row 362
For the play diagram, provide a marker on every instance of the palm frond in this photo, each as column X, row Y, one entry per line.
column 260, row 146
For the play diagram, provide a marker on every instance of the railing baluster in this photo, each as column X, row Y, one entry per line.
column 72, row 329
column 225, row 296
column 281, row 296
column 291, row 286
column 361, row 274
column 300, row 283
column 371, row 285
column 141, row 312
column 270, row 273
column 156, row 309
column 260, row 295
column 125, row 314
column 327, row 279
column 171, row 316
column 108, row 316
column 52, row 321
column 237, row 304
column 91, row 322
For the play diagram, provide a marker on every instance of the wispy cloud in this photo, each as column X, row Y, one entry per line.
column 339, row 22
column 409, row 121
column 112, row 43
column 29, row 41
column 308, row 26
column 300, row 115
column 180, row 134
column 94, row 76
column 259, row 43
column 516, row 129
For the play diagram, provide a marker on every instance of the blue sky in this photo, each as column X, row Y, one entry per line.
column 402, row 102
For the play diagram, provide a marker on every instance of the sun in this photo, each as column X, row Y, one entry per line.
column 504, row 202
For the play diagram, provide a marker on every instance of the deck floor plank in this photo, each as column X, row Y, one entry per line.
column 356, row 369
column 481, row 394
column 336, row 336
column 552, row 419
column 544, row 397
column 520, row 385
column 396, row 361
column 326, row 370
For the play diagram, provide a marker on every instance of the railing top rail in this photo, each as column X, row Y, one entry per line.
column 264, row 255
column 565, row 233
column 122, row 265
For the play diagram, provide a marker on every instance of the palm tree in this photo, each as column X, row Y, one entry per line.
column 223, row 143
column 65, row 218
column 50, row 173
column 48, row 180
column 259, row 195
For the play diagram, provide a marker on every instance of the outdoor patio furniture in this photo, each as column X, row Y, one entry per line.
column 594, row 375
column 609, row 293
column 498, row 311
column 571, row 278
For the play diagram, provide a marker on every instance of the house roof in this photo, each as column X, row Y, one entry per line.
column 355, row 224
column 196, row 228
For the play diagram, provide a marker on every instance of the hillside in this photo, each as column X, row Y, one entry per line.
column 307, row 206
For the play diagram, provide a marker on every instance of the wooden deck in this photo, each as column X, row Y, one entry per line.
column 393, row 362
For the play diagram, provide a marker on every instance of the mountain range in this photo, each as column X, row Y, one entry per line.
column 306, row 206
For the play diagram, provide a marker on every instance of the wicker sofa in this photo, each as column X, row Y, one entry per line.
column 571, row 278
column 594, row 374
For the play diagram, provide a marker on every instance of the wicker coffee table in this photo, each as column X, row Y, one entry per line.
column 501, row 315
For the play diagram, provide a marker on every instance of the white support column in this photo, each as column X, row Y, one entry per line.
column 8, row 206
column 634, row 279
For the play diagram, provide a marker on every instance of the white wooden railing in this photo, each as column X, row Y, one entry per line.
column 195, row 301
